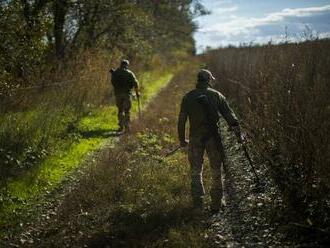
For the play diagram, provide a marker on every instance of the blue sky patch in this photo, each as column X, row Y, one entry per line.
column 234, row 22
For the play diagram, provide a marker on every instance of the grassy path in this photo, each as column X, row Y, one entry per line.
column 127, row 192
column 23, row 194
column 132, row 196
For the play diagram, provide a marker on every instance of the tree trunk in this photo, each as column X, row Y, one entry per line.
column 60, row 10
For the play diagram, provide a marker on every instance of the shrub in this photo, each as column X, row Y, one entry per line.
column 282, row 93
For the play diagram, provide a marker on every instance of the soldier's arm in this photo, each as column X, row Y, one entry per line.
column 135, row 83
column 231, row 118
column 113, row 81
column 227, row 112
column 183, row 115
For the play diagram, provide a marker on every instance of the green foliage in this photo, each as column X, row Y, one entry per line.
column 103, row 118
column 25, row 138
column 22, row 47
column 66, row 138
column 137, row 197
column 32, row 32
column 54, row 61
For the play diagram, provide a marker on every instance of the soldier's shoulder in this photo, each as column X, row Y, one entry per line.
column 212, row 91
column 129, row 72
column 216, row 93
column 117, row 71
column 190, row 94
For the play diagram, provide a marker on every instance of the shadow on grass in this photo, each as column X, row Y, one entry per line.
column 100, row 133
column 139, row 230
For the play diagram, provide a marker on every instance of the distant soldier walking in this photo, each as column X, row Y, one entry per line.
column 203, row 107
column 123, row 81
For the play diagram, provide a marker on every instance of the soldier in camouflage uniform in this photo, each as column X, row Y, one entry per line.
column 202, row 137
column 123, row 81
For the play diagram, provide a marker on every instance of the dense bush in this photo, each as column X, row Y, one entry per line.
column 282, row 93
column 36, row 37
column 54, row 61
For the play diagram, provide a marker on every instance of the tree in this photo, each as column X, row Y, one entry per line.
column 33, row 31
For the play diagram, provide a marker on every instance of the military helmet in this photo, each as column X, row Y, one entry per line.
column 124, row 62
column 205, row 75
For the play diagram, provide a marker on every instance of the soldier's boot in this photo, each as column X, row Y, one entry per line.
column 198, row 206
column 198, row 203
column 127, row 129
column 127, row 122
column 217, row 200
column 120, row 122
column 197, row 195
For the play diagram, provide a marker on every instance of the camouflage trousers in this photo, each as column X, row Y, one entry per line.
column 124, row 105
column 196, row 151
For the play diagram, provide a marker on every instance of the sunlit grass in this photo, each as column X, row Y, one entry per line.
column 46, row 177
column 103, row 118
column 68, row 156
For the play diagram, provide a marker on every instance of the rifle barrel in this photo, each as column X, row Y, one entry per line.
column 173, row 151
column 139, row 106
column 247, row 155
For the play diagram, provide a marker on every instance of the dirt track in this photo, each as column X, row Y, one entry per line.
column 95, row 212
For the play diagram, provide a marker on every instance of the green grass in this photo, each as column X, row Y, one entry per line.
column 134, row 196
column 52, row 170
column 46, row 177
column 103, row 118
column 89, row 136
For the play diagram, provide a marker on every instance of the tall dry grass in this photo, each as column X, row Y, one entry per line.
column 132, row 196
column 45, row 111
column 282, row 93
column 37, row 115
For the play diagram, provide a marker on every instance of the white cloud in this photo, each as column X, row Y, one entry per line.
column 217, row 4
column 299, row 12
column 324, row 35
column 240, row 25
column 225, row 10
column 222, row 2
column 235, row 29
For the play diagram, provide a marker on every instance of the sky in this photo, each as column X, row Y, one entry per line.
column 234, row 22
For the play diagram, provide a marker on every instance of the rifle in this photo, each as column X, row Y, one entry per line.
column 139, row 105
column 170, row 153
column 259, row 184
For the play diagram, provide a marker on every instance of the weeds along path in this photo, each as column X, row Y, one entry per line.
column 25, row 196
column 129, row 196
column 125, row 187
column 134, row 197
column 250, row 217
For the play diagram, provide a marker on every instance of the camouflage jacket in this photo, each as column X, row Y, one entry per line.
column 123, row 81
column 200, row 126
